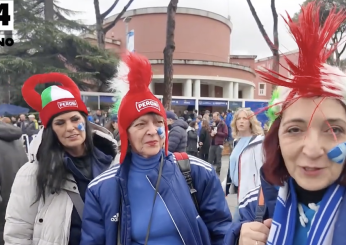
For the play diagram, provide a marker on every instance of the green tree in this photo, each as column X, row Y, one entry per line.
column 339, row 35
column 45, row 43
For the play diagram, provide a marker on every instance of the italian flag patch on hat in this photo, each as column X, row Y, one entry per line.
column 54, row 99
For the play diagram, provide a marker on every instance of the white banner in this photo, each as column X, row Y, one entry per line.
column 131, row 41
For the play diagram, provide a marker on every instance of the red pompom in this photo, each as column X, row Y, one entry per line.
column 140, row 73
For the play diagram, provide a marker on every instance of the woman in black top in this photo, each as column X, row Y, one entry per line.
column 204, row 140
column 192, row 138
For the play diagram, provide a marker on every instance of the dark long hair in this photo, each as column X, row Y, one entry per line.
column 205, row 125
column 52, row 173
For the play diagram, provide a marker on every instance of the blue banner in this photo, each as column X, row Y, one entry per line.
column 183, row 102
column 257, row 106
column 212, row 103
column 107, row 99
column 234, row 105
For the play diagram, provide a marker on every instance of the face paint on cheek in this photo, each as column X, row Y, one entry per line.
column 81, row 126
column 161, row 132
column 338, row 153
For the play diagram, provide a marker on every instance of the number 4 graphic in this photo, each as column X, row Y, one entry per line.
column 5, row 18
column 6, row 15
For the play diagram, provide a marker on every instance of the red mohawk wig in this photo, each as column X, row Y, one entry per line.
column 311, row 77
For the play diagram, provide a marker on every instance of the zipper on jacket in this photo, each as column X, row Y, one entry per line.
column 167, row 211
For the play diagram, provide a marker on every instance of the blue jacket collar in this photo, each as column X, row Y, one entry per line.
column 167, row 170
column 270, row 193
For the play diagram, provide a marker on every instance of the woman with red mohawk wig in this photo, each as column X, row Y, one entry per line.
column 302, row 197
column 146, row 199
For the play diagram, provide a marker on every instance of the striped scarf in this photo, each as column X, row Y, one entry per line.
column 285, row 215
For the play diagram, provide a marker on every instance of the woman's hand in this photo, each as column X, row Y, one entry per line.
column 255, row 233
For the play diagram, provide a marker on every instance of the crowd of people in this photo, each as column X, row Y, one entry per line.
column 145, row 176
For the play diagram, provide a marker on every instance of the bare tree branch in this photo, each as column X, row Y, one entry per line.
column 111, row 25
column 343, row 49
column 260, row 25
column 168, row 54
column 109, row 10
column 275, row 47
column 275, row 27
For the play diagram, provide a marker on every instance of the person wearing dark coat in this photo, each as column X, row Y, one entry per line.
column 192, row 138
column 12, row 158
column 204, row 140
column 112, row 126
column 177, row 137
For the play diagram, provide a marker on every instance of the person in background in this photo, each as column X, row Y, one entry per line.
column 206, row 115
column 228, row 121
column 177, row 138
column 194, row 115
column 145, row 199
column 90, row 116
column 204, row 140
column 99, row 119
column 192, row 139
column 112, row 126
column 246, row 157
column 22, row 123
column 45, row 206
column 218, row 136
column 14, row 121
column 186, row 115
column 12, row 158
column 32, row 127
column 6, row 120
column 223, row 115
column 199, row 123
column 33, row 119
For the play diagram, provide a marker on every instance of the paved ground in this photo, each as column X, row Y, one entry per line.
column 231, row 199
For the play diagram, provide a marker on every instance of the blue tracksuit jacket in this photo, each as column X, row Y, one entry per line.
column 104, row 194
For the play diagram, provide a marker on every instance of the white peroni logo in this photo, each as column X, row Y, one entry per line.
column 67, row 103
column 144, row 104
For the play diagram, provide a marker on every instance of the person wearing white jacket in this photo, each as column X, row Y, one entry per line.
column 247, row 157
column 47, row 197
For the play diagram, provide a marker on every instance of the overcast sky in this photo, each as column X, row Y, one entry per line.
column 245, row 38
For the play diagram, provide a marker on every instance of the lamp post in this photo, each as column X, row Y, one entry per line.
column 127, row 21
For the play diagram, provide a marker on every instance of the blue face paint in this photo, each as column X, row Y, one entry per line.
column 81, row 126
column 338, row 153
column 161, row 132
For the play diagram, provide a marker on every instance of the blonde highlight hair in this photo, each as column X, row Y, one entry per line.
column 255, row 125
